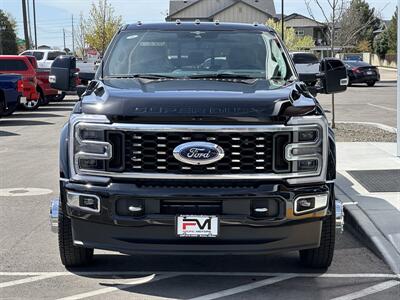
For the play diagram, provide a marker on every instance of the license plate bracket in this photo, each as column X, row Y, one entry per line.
column 196, row 226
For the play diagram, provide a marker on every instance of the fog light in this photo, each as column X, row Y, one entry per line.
column 307, row 165
column 84, row 201
column 306, row 204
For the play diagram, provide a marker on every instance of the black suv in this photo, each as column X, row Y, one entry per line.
column 197, row 138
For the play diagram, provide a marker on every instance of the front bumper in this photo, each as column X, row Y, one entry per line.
column 155, row 231
column 158, row 237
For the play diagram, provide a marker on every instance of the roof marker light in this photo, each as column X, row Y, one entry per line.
column 139, row 23
column 178, row 22
column 216, row 22
column 197, row 22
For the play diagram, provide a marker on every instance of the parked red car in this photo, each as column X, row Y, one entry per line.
column 36, row 88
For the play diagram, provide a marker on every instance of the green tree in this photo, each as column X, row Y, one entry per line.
column 292, row 41
column 392, row 34
column 101, row 25
column 357, row 23
column 381, row 44
column 8, row 38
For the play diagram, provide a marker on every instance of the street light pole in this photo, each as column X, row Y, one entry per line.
column 26, row 35
column 34, row 23
column 283, row 20
column 398, row 77
column 2, row 27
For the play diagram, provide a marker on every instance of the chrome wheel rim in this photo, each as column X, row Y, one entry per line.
column 31, row 103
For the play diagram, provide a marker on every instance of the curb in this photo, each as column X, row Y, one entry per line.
column 388, row 81
column 361, row 226
column 388, row 68
column 377, row 125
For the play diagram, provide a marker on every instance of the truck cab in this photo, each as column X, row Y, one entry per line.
column 197, row 138
column 44, row 57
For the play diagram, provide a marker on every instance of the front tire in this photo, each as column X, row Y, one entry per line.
column 59, row 97
column 71, row 255
column 322, row 256
column 32, row 104
column 10, row 110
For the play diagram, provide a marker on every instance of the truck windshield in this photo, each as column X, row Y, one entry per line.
column 197, row 54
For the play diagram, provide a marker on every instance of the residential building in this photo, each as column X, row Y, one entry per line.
column 304, row 26
column 239, row 11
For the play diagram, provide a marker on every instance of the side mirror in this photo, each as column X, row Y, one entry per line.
column 80, row 89
column 309, row 79
column 86, row 77
column 63, row 73
column 333, row 75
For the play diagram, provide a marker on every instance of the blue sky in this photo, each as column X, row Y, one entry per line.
column 54, row 15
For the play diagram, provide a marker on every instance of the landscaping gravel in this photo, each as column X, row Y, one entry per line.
column 362, row 133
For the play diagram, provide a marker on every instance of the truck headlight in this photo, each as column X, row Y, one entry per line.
column 90, row 150
column 306, row 151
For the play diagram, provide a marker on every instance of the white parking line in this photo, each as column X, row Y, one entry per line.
column 370, row 290
column 26, row 280
column 243, row 288
column 125, row 286
column 261, row 274
column 382, row 107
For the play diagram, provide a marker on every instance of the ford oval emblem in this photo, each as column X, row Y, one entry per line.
column 198, row 153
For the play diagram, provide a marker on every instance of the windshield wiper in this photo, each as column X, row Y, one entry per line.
column 223, row 76
column 144, row 76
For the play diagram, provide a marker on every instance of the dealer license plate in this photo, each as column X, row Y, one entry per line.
column 197, row 226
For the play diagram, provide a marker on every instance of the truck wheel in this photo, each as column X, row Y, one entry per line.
column 32, row 105
column 71, row 256
column 59, row 97
column 322, row 256
column 44, row 100
column 10, row 110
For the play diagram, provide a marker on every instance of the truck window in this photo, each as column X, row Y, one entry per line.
column 13, row 65
column 305, row 58
column 188, row 53
column 53, row 55
column 38, row 55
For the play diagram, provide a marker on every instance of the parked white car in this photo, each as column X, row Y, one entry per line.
column 44, row 57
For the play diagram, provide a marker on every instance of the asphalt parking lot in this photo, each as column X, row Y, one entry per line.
column 364, row 104
column 30, row 267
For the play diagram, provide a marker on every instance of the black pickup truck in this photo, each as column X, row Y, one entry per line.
column 197, row 138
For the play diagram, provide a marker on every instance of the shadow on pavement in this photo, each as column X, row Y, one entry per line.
column 34, row 115
column 7, row 133
column 362, row 85
column 286, row 262
column 55, row 108
column 23, row 123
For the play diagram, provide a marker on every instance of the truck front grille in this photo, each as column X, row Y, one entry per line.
column 245, row 152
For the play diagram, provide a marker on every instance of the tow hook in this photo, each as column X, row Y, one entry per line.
column 54, row 206
column 339, row 216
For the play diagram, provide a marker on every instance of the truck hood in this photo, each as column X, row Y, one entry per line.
column 195, row 100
